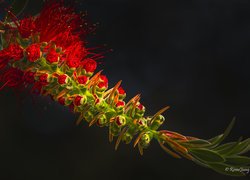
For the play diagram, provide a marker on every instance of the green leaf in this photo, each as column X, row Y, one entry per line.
column 227, row 131
column 215, row 139
column 201, row 163
column 227, row 170
column 218, row 139
column 241, row 148
column 223, row 149
column 238, row 160
column 207, row 155
column 196, row 143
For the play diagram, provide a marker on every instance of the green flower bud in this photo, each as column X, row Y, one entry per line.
column 157, row 122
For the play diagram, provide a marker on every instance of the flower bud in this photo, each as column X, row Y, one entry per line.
column 103, row 84
column 127, row 138
column 79, row 100
column 120, row 104
column 121, row 93
column 142, row 123
column 63, row 79
column 82, row 80
column 145, row 139
column 44, row 79
column 157, row 122
column 33, row 52
column 120, row 121
column 52, row 56
column 102, row 120
column 89, row 65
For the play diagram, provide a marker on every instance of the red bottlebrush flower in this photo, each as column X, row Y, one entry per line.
column 82, row 79
column 62, row 79
column 12, row 78
column 26, row 27
column 15, row 52
column 89, row 65
column 43, row 79
column 73, row 63
column 140, row 107
column 60, row 25
column 61, row 101
column 104, row 82
column 4, row 58
column 120, row 104
column 121, row 91
column 33, row 52
column 28, row 77
column 74, row 54
column 79, row 100
column 52, row 56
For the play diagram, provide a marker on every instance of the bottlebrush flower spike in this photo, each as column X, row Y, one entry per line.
column 48, row 54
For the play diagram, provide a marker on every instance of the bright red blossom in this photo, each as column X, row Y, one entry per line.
column 44, row 79
column 73, row 63
column 89, row 65
column 120, row 104
column 12, row 78
column 121, row 91
column 28, row 77
column 140, row 107
column 33, row 52
column 62, row 79
column 82, row 79
column 78, row 100
column 104, row 82
column 52, row 56
column 15, row 52
column 4, row 58
column 26, row 27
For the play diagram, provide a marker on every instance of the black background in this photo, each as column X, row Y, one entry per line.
column 191, row 55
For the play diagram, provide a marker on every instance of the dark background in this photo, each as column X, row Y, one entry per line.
column 191, row 55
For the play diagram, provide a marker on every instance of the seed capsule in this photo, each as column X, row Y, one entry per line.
column 145, row 139
column 157, row 122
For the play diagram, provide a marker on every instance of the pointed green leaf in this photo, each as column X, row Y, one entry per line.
column 218, row 139
column 196, row 143
column 215, row 139
column 201, row 163
column 241, row 148
column 228, row 130
column 227, row 170
column 238, row 160
column 207, row 155
column 225, row 147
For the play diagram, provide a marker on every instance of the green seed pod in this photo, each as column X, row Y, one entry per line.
column 129, row 134
column 142, row 124
column 157, row 122
column 145, row 139
column 88, row 116
column 115, row 130
column 127, row 138
column 102, row 121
